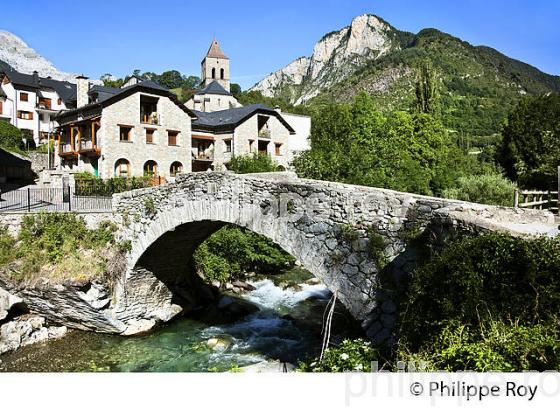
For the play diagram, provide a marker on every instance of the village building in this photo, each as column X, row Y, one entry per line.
column 140, row 129
column 224, row 128
column 30, row 103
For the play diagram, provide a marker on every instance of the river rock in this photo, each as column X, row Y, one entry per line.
column 219, row 343
column 26, row 330
column 8, row 302
column 243, row 285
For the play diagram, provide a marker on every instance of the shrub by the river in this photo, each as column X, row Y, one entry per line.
column 58, row 246
column 480, row 303
column 349, row 356
column 231, row 252
column 492, row 346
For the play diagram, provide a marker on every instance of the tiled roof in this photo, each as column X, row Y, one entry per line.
column 66, row 90
column 214, row 88
column 227, row 120
column 9, row 159
column 95, row 108
column 215, row 51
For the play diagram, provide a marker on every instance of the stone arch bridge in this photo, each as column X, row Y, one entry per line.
column 343, row 234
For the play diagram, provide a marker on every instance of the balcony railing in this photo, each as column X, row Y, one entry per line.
column 87, row 146
column 66, row 149
column 204, row 156
column 152, row 119
column 264, row 133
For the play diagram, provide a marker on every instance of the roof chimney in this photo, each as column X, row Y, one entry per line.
column 35, row 77
column 82, row 88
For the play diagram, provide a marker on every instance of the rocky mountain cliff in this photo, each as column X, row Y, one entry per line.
column 334, row 58
column 479, row 85
column 16, row 54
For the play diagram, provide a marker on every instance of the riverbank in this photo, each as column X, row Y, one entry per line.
column 269, row 328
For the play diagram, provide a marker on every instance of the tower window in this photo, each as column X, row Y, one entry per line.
column 213, row 73
column 222, row 73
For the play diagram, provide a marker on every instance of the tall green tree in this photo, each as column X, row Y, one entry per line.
column 355, row 143
column 427, row 90
column 529, row 149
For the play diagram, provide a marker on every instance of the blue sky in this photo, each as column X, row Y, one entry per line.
column 259, row 36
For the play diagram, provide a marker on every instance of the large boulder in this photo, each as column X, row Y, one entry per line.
column 26, row 330
column 8, row 303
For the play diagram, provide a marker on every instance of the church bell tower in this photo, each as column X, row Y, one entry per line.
column 215, row 66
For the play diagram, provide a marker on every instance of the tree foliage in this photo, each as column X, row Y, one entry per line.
column 252, row 163
column 355, row 143
column 230, row 252
column 427, row 90
column 491, row 189
column 10, row 136
column 529, row 150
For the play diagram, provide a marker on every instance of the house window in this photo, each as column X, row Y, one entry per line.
column 125, row 133
column 150, row 168
column 45, row 103
column 277, row 149
column 122, row 168
column 222, row 73
column 59, row 101
column 25, row 115
column 148, row 110
column 1, row 108
column 172, row 137
column 176, row 168
column 213, row 73
column 227, row 145
column 23, row 97
column 149, row 136
column 251, row 145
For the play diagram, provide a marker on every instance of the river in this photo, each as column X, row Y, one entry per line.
column 285, row 326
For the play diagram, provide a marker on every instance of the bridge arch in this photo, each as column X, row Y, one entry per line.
column 326, row 226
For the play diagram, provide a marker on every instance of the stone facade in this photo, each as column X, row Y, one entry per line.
column 138, row 151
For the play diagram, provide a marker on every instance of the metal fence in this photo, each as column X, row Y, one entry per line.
column 53, row 200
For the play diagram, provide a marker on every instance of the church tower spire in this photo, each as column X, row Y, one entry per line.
column 215, row 66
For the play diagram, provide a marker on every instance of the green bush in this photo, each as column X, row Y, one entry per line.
column 494, row 346
column 491, row 189
column 7, row 243
column 475, row 278
column 349, row 356
column 88, row 184
column 56, row 245
column 252, row 163
column 10, row 136
column 231, row 252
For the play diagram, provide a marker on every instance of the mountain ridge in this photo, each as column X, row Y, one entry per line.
column 16, row 55
column 479, row 80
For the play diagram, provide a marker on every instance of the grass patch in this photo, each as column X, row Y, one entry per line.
column 58, row 247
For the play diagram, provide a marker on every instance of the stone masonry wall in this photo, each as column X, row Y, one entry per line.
column 330, row 227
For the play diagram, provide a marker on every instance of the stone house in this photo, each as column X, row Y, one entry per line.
column 137, row 130
column 30, row 102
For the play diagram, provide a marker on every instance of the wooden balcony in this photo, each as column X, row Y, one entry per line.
column 89, row 148
column 66, row 150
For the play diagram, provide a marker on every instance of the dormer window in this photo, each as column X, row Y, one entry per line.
column 148, row 110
